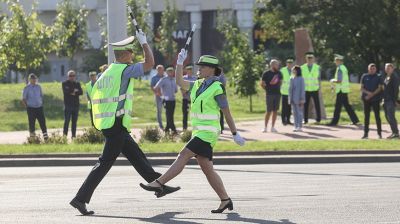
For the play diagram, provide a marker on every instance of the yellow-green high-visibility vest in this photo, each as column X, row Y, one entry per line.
column 311, row 78
column 285, row 81
column 205, row 112
column 89, row 88
column 105, row 98
column 344, row 86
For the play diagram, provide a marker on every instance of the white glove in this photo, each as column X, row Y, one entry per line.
column 181, row 57
column 238, row 139
column 141, row 37
column 332, row 80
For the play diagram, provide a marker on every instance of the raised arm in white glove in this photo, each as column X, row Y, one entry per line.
column 181, row 57
column 141, row 37
column 238, row 139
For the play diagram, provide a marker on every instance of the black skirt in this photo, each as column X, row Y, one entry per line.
column 200, row 147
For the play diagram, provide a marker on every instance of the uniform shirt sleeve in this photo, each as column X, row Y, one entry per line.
column 24, row 93
column 134, row 71
column 221, row 99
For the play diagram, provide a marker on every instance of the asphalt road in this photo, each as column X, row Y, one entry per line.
column 310, row 193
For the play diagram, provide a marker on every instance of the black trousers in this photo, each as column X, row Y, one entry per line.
column 117, row 140
column 33, row 114
column 91, row 117
column 314, row 95
column 185, row 111
column 286, row 110
column 68, row 115
column 169, row 111
column 343, row 100
column 390, row 114
column 375, row 106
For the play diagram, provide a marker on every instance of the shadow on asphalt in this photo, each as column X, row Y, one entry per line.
column 169, row 217
column 302, row 173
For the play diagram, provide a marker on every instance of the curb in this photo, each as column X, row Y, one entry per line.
column 225, row 159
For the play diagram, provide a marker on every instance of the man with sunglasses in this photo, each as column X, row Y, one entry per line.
column 72, row 90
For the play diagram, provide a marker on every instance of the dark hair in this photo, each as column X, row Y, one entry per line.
column 298, row 70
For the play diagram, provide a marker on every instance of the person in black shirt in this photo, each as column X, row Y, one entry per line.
column 72, row 90
column 271, row 81
column 390, row 97
column 371, row 95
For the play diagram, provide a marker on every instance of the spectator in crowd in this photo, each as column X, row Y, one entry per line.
column 371, row 96
column 157, row 94
column 286, row 74
column 168, row 89
column 271, row 81
column 342, row 89
column 32, row 99
column 390, row 97
column 89, row 86
column 312, row 76
column 102, row 69
column 72, row 90
column 186, row 96
column 297, row 97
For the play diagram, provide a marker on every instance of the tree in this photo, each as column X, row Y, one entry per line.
column 70, row 29
column 167, row 45
column 24, row 42
column 364, row 31
column 93, row 61
column 242, row 63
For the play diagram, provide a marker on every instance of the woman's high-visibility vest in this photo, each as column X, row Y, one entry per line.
column 89, row 88
column 311, row 78
column 105, row 98
column 205, row 112
column 285, row 81
column 344, row 86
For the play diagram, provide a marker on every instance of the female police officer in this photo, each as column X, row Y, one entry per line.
column 207, row 97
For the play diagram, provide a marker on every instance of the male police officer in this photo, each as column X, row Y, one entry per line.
column 342, row 90
column 89, row 87
column 112, row 107
column 311, row 74
column 286, row 74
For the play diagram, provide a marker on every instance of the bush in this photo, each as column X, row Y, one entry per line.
column 186, row 136
column 56, row 138
column 150, row 134
column 169, row 137
column 36, row 139
column 90, row 135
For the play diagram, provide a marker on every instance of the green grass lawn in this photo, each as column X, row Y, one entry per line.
column 14, row 115
column 315, row 145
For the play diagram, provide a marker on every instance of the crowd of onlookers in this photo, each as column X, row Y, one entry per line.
column 292, row 86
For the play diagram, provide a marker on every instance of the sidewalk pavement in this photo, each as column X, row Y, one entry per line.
column 251, row 131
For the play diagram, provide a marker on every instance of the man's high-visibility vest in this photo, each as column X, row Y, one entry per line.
column 205, row 112
column 344, row 86
column 285, row 81
column 105, row 98
column 311, row 78
column 89, row 88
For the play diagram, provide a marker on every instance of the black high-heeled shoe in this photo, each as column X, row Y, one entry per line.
column 228, row 206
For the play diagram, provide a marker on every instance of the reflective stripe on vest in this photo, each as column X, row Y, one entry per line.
column 113, row 99
column 285, row 81
column 204, row 116
column 112, row 114
column 206, row 128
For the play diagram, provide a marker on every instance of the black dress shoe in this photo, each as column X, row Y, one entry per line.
column 228, row 206
column 160, row 191
column 81, row 206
